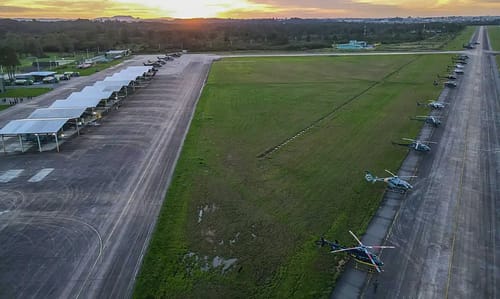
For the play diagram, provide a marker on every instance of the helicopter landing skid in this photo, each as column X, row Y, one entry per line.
column 365, row 267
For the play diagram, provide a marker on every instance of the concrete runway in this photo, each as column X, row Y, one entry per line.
column 446, row 231
column 76, row 224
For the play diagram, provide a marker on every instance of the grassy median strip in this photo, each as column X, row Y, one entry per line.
column 237, row 226
column 24, row 92
column 494, row 33
column 461, row 39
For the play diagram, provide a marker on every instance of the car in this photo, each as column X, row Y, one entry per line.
column 23, row 82
column 50, row 80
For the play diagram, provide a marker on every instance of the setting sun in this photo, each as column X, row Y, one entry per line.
column 200, row 8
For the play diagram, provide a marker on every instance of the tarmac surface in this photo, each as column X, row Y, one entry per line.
column 76, row 224
column 446, row 229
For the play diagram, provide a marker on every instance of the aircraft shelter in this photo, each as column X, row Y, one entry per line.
column 46, row 128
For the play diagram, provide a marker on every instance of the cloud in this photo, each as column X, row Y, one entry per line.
column 73, row 9
column 245, row 8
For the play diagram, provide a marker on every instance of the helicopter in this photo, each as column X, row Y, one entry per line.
column 359, row 253
column 450, row 83
column 469, row 46
column 459, row 60
column 433, row 105
column 394, row 183
column 429, row 119
column 450, row 77
column 417, row 145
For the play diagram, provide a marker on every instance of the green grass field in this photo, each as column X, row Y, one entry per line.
column 461, row 39
column 3, row 107
column 91, row 70
column 225, row 203
column 24, row 92
column 494, row 33
column 436, row 42
column 72, row 67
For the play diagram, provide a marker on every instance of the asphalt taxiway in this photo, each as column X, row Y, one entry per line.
column 76, row 224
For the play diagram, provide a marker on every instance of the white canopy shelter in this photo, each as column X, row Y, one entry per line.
column 36, row 127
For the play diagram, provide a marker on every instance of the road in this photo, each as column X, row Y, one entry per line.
column 299, row 54
column 76, row 224
column 446, row 231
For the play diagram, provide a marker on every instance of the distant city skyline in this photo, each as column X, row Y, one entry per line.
column 245, row 9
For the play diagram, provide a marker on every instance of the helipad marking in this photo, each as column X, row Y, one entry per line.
column 9, row 175
column 40, row 175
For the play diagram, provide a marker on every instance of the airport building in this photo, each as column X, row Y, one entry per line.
column 354, row 45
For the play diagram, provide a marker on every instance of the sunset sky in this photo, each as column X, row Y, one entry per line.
column 244, row 8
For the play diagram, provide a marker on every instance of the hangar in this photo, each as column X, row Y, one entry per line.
column 46, row 128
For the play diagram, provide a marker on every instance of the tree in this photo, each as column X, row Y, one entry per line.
column 9, row 60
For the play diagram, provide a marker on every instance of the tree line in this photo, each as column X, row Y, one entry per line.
column 37, row 38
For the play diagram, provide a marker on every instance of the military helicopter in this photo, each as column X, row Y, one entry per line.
column 417, row 145
column 394, row 183
column 450, row 77
column 359, row 253
column 459, row 60
column 429, row 119
column 450, row 83
column 469, row 46
column 433, row 105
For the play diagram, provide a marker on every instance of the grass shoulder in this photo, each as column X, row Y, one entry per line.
column 24, row 92
column 462, row 38
column 494, row 33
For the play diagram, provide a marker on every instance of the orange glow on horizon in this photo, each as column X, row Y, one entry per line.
column 243, row 9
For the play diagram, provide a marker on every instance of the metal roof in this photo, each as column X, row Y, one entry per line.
column 57, row 113
column 91, row 92
column 33, row 126
column 116, row 51
column 76, row 103
column 42, row 74
column 114, row 86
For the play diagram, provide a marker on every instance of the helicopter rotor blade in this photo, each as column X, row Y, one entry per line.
column 409, row 139
column 391, row 173
column 344, row 249
column 379, row 247
column 356, row 238
column 408, row 176
column 373, row 262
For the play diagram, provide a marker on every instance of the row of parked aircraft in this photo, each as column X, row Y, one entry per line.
column 396, row 183
column 361, row 252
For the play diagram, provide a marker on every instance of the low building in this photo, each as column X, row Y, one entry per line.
column 354, row 45
column 116, row 54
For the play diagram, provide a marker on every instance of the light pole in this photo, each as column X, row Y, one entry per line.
column 37, row 64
